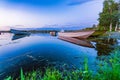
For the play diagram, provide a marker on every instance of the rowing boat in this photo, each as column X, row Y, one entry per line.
column 18, row 32
column 78, row 34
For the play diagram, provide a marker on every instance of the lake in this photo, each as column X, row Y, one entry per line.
column 39, row 50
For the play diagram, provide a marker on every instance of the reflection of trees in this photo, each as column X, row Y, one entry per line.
column 105, row 46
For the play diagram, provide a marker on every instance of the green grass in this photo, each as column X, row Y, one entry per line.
column 108, row 69
column 98, row 33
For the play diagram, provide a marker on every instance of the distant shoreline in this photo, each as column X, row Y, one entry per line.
column 41, row 31
column 4, row 31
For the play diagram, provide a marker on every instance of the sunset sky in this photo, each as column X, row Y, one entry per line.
column 38, row 13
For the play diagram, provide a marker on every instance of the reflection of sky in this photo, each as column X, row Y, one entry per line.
column 40, row 44
column 5, row 38
column 38, row 48
column 37, row 13
column 118, row 40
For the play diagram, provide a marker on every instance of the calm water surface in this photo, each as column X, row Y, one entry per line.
column 41, row 50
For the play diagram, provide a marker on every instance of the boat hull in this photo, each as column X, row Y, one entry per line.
column 80, row 34
column 18, row 32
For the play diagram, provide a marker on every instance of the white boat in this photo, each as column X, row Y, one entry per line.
column 78, row 34
column 18, row 32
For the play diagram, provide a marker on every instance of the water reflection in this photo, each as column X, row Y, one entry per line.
column 80, row 42
column 15, row 37
column 40, row 50
column 5, row 38
column 104, row 46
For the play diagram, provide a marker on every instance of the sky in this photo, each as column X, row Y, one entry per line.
column 41, row 13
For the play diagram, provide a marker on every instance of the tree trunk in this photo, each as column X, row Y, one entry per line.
column 110, row 27
column 119, row 26
column 116, row 27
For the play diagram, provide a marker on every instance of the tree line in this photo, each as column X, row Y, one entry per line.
column 109, row 18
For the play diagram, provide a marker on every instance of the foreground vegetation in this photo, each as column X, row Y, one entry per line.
column 108, row 69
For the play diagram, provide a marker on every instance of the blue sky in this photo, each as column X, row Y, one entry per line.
column 46, row 3
column 39, row 13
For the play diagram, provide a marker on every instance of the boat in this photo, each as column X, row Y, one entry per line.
column 81, row 42
column 78, row 34
column 53, row 33
column 18, row 32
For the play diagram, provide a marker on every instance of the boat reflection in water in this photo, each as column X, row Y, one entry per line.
column 19, row 33
column 103, row 46
column 81, row 42
column 15, row 37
